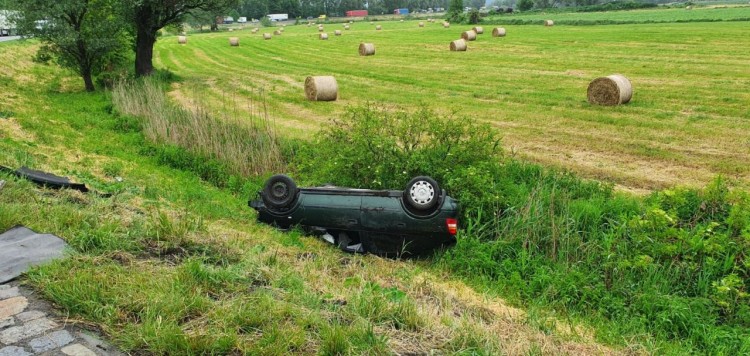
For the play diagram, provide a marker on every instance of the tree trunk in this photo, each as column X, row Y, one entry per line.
column 144, row 52
column 88, row 81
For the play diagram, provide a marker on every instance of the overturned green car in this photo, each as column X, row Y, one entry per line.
column 384, row 222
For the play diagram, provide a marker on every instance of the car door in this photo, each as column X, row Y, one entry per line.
column 332, row 211
column 383, row 214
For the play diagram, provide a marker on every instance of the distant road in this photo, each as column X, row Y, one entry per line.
column 8, row 38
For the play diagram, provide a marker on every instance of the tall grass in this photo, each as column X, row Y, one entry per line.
column 673, row 265
column 248, row 147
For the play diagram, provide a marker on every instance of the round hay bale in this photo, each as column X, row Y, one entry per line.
column 549, row 23
column 421, row 24
column 320, row 28
column 498, row 32
column 337, row 32
column 378, row 28
column 446, row 24
column 478, row 29
column 610, row 90
column 401, row 20
column 321, row 88
column 283, row 25
column 372, row 23
column 182, row 39
column 234, row 41
column 346, row 27
column 266, row 36
column 277, row 33
column 469, row 35
column 366, row 49
column 255, row 30
column 323, row 36
column 458, row 45
column 688, row 7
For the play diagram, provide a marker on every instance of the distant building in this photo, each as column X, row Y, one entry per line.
column 356, row 13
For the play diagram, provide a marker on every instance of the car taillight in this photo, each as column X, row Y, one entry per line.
column 452, row 225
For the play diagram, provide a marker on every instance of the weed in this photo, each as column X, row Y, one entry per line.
column 245, row 148
column 4, row 114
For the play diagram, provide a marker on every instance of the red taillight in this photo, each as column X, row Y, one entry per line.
column 452, row 225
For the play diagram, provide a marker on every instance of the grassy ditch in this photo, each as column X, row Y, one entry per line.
column 674, row 265
column 173, row 264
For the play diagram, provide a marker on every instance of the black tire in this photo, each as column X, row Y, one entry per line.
column 422, row 193
column 280, row 191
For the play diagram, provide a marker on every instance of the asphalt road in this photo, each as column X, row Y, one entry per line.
column 8, row 38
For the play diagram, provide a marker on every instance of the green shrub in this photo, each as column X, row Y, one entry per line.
column 673, row 265
column 473, row 17
column 373, row 147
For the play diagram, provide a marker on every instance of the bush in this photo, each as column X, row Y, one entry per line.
column 373, row 147
column 525, row 5
column 473, row 17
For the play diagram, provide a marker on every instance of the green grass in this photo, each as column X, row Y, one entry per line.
column 174, row 264
column 672, row 267
column 171, row 264
column 689, row 84
column 655, row 15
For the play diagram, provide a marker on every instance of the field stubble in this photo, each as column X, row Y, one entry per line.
column 685, row 124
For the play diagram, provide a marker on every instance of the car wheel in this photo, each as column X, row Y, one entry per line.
column 279, row 191
column 422, row 193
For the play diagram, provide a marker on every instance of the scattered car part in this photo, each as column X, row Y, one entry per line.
column 21, row 248
column 386, row 222
column 45, row 179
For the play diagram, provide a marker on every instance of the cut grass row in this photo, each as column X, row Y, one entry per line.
column 655, row 15
column 689, row 82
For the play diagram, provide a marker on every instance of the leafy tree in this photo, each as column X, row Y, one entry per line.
column 525, row 5
column 82, row 35
column 476, row 4
column 457, row 6
column 473, row 17
column 456, row 11
column 200, row 18
column 149, row 16
column 256, row 9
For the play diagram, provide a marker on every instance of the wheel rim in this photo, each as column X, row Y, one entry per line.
column 279, row 191
column 422, row 193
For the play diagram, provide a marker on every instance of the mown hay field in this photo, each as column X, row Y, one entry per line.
column 687, row 122
column 724, row 12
